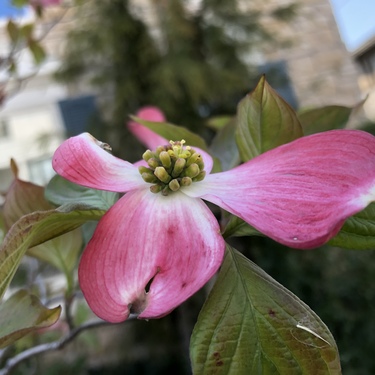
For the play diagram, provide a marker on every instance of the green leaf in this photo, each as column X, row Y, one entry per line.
column 224, row 146
column 250, row 324
column 23, row 198
column 236, row 227
column 60, row 191
column 219, row 122
column 325, row 118
column 264, row 121
column 358, row 232
column 27, row 30
column 13, row 31
column 88, row 230
column 37, row 51
column 12, row 68
column 20, row 3
column 61, row 252
column 21, row 314
column 173, row 132
column 36, row 228
column 2, row 225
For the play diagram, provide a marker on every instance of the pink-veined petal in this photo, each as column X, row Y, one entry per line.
column 141, row 163
column 84, row 161
column 146, row 136
column 299, row 194
column 169, row 245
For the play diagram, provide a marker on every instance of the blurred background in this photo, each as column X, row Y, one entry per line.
column 195, row 59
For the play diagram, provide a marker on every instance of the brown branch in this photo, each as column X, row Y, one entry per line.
column 11, row 363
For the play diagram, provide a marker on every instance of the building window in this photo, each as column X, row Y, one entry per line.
column 4, row 128
column 6, row 177
column 366, row 61
column 78, row 114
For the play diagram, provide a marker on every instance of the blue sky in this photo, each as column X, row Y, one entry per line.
column 356, row 21
column 6, row 10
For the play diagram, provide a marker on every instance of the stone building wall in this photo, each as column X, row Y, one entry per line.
column 321, row 70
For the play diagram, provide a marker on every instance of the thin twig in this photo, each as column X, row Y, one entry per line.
column 56, row 345
column 68, row 314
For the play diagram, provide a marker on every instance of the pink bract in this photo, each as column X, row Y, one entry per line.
column 146, row 136
column 151, row 252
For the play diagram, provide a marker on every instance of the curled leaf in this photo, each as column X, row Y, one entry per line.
column 23, row 313
column 24, row 198
column 36, row 228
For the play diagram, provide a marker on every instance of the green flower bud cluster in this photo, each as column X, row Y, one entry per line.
column 171, row 167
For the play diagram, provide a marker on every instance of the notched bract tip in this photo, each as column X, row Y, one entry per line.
column 103, row 145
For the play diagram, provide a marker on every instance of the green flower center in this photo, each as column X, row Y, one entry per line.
column 171, row 167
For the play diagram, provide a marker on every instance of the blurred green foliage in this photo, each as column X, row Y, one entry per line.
column 190, row 64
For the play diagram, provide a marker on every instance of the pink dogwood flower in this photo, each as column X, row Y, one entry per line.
column 160, row 243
